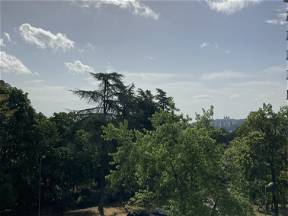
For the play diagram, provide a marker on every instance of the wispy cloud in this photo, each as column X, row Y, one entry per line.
column 279, row 20
column 45, row 39
column 229, row 7
column 87, row 47
column 150, row 77
column 90, row 46
column 138, row 8
column 233, row 96
column 255, row 83
column 77, row 67
column 11, row 64
column 213, row 45
column 202, row 97
column 227, row 51
column 49, row 98
column 226, row 75
column 35, row 81
column 207, row 44
column 151, row 58
column 273, row 71
column 2, row 44
column 7, row 36
column 204, row 44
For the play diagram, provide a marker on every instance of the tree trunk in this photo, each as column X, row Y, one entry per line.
column 274, row 190
column 213, row 210
column 101, row 208
column 102, row 182
column 102, row 191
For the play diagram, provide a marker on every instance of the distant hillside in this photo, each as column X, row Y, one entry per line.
column 227, row 123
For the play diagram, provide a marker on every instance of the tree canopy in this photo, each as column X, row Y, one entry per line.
column 132, row 146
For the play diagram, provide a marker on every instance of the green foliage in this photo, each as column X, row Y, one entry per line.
column 132, row 146
column 177, row 166
column 18, row 147
column 258, row 156
column 164, row 102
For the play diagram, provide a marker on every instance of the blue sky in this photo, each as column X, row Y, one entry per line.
column 230, row 54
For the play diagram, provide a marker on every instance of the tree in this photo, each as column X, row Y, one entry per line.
column 177, row 166
column 106, row 101
column 164, row 102
column 146, row 107
column 70, row 166
column 126, row 102
column 105, row 97
column 259, row 153
column 19, row 150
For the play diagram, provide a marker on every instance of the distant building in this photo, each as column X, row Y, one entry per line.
column 227, row 124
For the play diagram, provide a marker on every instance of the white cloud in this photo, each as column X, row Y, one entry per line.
column 2, row 44
column 279, row 20
column 77, row 67
column 233, row 96
column 209, row 44
column 45, row 39
column 274, row 70
column 137, row 7
column 11, row 64
column 151, row 58
column 87, row 47
column 36, row 81
column 255, row 83
column 202, row 97
column 7, row 36
column 223, row 75
column 230, row 6
column 204, row 44
column 150, row 77
column 214, row 45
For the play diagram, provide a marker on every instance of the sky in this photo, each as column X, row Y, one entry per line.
column 225, row 53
